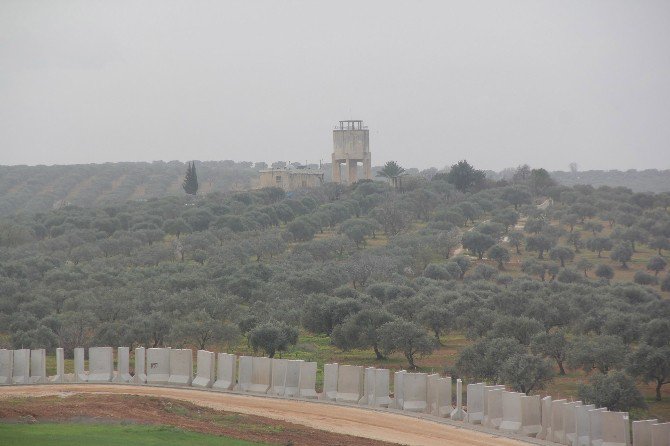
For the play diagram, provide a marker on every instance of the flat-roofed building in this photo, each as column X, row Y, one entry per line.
column 291, row 178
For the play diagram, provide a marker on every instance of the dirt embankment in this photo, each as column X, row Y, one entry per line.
column 312, row 423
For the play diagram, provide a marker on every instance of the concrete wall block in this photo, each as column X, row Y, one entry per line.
column 158, row 365
column 226, row 372
column 205, row 369
column 6, row 366
column 100, row 364
column 349, row 384
column 38, row 366
column 642, row 432
column 21, row 366
column 330, row 374
column 616, row 429
column 475, row 400
column 279, row 367
column 292, row 380
column 261, row 375
column 123, row 365
column 415, row 392
column 511, row 420
column 493, row 406
column 181, row 367
column 531, row 415
column 458, row 414
column 307, row 380
column 140, row 376
column 80, row 375
column 660, row 434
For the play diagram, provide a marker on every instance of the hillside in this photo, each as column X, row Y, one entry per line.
column 338, row 272
column 42, row 188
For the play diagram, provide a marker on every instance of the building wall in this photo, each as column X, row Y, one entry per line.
column 350, row 144
column 290, row 180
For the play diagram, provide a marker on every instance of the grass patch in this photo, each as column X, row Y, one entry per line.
column 51, row 434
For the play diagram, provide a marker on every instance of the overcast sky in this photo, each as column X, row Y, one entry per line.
column 499, row 83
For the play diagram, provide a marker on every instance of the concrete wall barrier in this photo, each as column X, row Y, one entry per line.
column 307, row 380
column 181, row 367
column 292, row 381
column 261, row 375
column 330, row 374
column 616, row 429
column 38, row 366
column 381, row 394
column 368, row 386
column 80, row 375
column 582, row 434
column 140, row 376
column 493, row 410
column 415, row 392
column 570, row 421
column 531, row 415
column 475, row 400
column 123, row 365
column 458, row 414
column 21, row 366
column 100, row 364
column 660, row 434
column 642, row 432
column 6, row 366
column 398, row 378
column 596, row 425
column 546, row 418
column 158, row 365
column 349, row 384
column 511, row 420
column 205, row 369
column 444, row 401
column 556, row 431
column 244, row 371
column 60, row 367
column 226, row 372
column 279, row 367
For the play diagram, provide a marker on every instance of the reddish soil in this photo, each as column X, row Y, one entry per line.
column 92, row 408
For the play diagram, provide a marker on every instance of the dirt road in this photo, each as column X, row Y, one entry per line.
column 376, row 425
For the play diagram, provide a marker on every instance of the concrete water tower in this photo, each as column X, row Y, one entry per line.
column 351, row 145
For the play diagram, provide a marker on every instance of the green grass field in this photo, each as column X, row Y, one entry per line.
column 107, row 435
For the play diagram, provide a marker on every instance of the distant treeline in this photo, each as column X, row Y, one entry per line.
column 42, row 188
column 650, row 180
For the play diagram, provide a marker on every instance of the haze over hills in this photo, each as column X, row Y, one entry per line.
column 41, row 188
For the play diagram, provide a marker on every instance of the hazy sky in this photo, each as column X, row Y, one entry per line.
column 499, row 83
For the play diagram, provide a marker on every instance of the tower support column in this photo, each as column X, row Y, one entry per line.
column 352, row 167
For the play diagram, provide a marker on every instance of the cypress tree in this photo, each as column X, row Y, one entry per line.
column 191, row 180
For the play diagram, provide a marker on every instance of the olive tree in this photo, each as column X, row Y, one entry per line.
column 477, row 243
column 405, row 337
column 272, row 337
column 622, row 252
column 600, row 352
column 552, row 345
column 500, row 254
column 656, row 264
column 651, row 364
column 525, row 373
column 484, row 359
column 561, row 253
column 616, row 391
column 360, row 330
